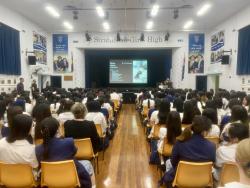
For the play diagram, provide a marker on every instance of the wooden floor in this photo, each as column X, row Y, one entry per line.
column 126, row 160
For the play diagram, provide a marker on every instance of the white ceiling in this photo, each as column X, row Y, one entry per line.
column 126, row 19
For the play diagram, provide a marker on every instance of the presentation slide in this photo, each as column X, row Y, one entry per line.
column 127, row 71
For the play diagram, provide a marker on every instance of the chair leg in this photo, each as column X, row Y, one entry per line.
column 97, row 165
column 103, row 142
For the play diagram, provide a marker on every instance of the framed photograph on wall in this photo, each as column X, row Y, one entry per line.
column 2, row 81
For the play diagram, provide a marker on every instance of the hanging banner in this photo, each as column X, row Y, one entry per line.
column 217, row 46
column 61, row 61
column 40, row 48
column 196, row 53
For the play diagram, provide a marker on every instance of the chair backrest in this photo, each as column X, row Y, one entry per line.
column 145, row 111
column 99, row 130
column 16, row 175
column 59, row 174
column 116, row 104
column 167, row 148
column 84, row 149
column 229, row 173
column 156, row 131
column 38, row 141
column 111, row 114
column 214, row 139
column 195, row 175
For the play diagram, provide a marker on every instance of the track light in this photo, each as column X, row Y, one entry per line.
column 75, row 15
column 142, row 37
column 118, row 37
column 176, row 13
column 87, row 36
column 167, row 36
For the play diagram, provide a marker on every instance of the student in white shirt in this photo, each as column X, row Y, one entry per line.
column 95, row 115
column 28, row 105
column 246, row 103
column 40, row 112
column 148, row 102
column 226, row 153
column 219, row 106
column 169, row 133
column 211, row 114
column 15, row 148
column 239, row 114
column 115, row 96
column 66, row 114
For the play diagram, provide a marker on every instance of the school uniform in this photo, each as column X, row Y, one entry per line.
column 64, row 149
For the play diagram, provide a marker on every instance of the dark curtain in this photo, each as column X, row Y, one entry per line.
column 243, row 64
column 10, row 60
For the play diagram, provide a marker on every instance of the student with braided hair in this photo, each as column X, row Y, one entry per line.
column 56, row 149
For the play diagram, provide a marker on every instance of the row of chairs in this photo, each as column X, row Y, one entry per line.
column 190, row 174
column 21, row 175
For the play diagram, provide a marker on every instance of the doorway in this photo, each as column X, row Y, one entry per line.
column 201, row 83
column 56, row 81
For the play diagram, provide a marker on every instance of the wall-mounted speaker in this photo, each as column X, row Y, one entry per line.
column 225, row 60
column 32, row 60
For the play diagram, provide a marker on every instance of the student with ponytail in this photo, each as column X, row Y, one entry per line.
column 56, row 149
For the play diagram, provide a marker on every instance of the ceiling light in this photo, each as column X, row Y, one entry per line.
column 149, row 25
column 100, row 11
column 67, row 25
column 106, row 25
column 203, row 9
column 154, row 10
column 52, row 11
column 188, row 24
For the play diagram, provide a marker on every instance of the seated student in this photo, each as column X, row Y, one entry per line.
column 169, row 133
column 55, row 149
column 226, row 118
column 95, row 115
column 12, row 111
column 15, row 148
column 2, row 114
column 148, row 102
column 190, row 110
column 243, row 162
column 237, row 132
column 239, row 115
column 202, row 99
column 246, row 103
column 81, row 128
column 220, row 111
column 104, row 110
column 66, row 114
column 195, row 149
column 28, row 105
column 40, row 112
column 164, row 109
column 212, row 115
column 178, row 105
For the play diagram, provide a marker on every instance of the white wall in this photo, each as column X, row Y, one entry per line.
column 26, row 29
column 178, row 41
column 228, row 78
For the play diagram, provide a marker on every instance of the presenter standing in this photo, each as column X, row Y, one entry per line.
column 20, row 86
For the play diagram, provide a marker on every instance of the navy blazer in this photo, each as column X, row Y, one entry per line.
column 196, row 149
column 64, row 149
